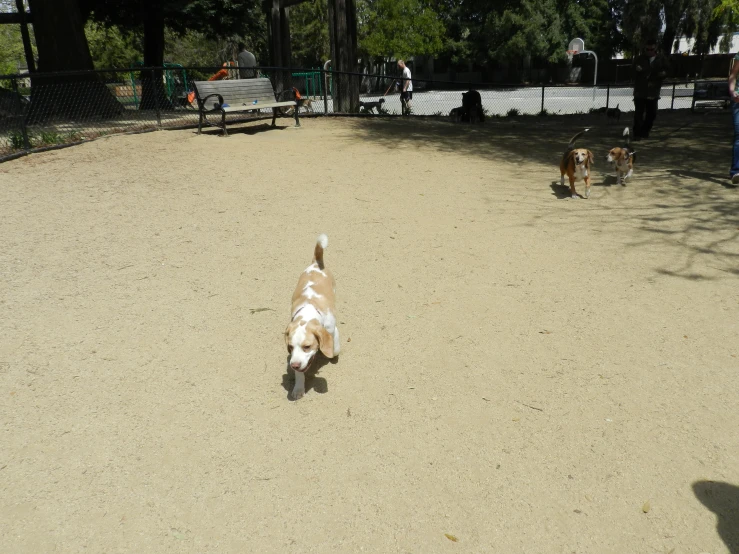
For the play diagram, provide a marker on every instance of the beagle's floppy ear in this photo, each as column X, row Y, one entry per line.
column 591, row 158
column 289, row 330
column 325, row 340
column 287, row 334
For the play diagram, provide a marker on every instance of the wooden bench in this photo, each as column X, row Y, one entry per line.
column 239, row 95
column 711, row 93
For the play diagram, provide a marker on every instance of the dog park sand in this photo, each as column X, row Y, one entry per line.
column 520, row 371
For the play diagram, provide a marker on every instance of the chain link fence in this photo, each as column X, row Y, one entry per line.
column 52, row 110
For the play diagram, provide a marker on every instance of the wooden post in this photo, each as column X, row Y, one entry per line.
column 25, row 36
column 287, row 81
column 276, row 43
column 355, row 83
column 343, row 31
column 541, row 112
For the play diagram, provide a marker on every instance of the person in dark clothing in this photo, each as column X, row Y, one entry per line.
column 650, row 69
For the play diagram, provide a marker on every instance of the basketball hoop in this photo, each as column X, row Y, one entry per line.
column 576, row 46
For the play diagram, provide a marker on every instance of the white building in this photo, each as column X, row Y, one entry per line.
column 686, row 45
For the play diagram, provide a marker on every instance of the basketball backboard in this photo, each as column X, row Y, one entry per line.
column 576, row 45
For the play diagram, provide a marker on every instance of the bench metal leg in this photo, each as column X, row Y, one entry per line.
column 200, row 123
column 223, row 124
column 274, row 116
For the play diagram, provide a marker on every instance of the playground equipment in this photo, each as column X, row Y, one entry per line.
column 313, row 82
column 176, row 86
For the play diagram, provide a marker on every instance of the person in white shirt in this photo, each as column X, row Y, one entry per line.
column 406, row 91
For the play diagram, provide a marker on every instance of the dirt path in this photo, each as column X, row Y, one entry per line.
column 521, row 372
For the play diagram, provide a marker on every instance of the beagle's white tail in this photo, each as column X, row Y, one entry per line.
column 571, row 145
column 321, row 244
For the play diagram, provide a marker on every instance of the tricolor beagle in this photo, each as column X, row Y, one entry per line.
column 576, row 164
column 622, row 159
column 313, row 324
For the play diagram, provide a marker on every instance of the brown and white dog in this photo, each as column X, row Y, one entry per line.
column 576, row 164
column 306, row 104
column 623, row 160
column 313, row 324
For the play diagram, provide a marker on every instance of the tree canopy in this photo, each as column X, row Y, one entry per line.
column 398, row 28
column 479, row 32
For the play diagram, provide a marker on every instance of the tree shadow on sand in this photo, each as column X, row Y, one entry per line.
column 679, row 204
column 544, row 139
column 723, row 500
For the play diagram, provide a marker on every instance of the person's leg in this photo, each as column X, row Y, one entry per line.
column 735, row 162
column 639, row 105
column 651, row 115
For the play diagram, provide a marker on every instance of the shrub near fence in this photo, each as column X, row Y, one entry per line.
column 78, row 106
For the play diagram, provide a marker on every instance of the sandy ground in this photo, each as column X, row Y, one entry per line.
column 520, row 371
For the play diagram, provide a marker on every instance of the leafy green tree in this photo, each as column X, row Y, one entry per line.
column 309, row 33
column 398, row 28
column 534, row 28
column 727, row 11
column 702, row 24
column 111, row 47
column 703, row 20
column 11, row 49
column 215, row 19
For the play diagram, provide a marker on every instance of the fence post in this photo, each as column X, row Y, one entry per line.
column 542, row 98
column 324, row 77
column 672, row 104
column 155, row 86
column 608, row 95
column 21, row 115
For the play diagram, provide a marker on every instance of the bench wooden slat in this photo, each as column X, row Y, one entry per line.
column 240, row 95
column 258, row 106
column 241, row 88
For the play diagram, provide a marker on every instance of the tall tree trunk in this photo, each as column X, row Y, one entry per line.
column 153, row 95
column 62, row 46
column 343, row 54
column 287, row 51
column 356, row 82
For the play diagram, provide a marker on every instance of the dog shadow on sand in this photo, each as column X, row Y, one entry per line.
column 312, row 379
column 723, row 500
column 563, row 192
column 610, row 181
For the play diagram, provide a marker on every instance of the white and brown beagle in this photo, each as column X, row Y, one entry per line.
column 313, row 324
column 576, row 164
column 623, row 159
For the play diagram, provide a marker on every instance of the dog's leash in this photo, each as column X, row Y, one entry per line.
column 388, row 88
